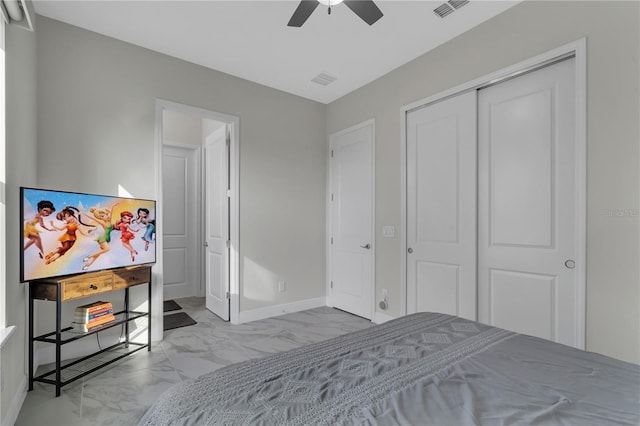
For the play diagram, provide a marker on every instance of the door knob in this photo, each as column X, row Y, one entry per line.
column 570, row 263
column 410, row 250
column 206, row 244
column 367, row 246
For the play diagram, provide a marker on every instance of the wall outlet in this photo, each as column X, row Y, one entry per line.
column 282, row 286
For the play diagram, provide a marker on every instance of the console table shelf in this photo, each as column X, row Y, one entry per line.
column 69, row 335
column 76, row 287
column 79, row 368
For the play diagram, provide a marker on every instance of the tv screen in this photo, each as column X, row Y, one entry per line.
column 69, row 233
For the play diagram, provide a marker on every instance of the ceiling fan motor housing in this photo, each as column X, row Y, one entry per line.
column 365, row 9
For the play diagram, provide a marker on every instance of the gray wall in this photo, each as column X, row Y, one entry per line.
column 95, row 124
column 181, row 128
column 21, row 169
column 96, row 108
column 533, row 27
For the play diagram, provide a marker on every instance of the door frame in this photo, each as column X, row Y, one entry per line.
column 329, row 267
column 577, row 49
column 233, row 124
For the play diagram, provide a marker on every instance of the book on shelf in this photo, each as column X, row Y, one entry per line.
column 89, row 318
column 86, row 327
column 94, row 307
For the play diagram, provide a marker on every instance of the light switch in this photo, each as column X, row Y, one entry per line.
column 388, row 231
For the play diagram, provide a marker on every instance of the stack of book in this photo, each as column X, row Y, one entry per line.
column 88, row 317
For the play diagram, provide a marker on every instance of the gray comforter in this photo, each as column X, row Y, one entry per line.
column 422, row 369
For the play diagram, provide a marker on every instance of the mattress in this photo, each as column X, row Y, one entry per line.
column 421, row 369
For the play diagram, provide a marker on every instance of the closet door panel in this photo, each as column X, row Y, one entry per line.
column 527, row 204
column 441, row 207
column 521, row 170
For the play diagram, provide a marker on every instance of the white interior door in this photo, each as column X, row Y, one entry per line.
column 527, row 205
column 180, row 186
column 216, row 219
column 351, row 212
column 441, row 207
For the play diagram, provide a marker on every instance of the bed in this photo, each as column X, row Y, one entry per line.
column 421, row 369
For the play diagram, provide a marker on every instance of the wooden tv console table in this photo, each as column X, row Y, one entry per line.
column 75, row 287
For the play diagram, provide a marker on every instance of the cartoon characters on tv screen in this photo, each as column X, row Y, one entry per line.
column 77, row 231
column 31, row 231
column 68, row 237
column 149, row 234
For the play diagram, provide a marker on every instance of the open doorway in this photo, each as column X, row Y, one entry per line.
column 198, row 206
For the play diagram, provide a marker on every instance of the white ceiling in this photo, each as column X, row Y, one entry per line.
column 251, row 40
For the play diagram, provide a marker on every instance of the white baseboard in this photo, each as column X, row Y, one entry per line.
column 380, row 317
column 277, row 310
column 16, row 403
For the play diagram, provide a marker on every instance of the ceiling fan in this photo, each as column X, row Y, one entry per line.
column 365, row 9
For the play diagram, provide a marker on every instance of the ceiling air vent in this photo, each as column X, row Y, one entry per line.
column 457, row 4
column 324, row 79
column 443, row 10
column 447, row 8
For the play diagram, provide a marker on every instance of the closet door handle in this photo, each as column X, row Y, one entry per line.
column 366, row 246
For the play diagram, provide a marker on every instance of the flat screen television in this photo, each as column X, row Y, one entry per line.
column 66, row 233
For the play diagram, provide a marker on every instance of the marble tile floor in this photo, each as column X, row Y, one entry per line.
column 121, row 393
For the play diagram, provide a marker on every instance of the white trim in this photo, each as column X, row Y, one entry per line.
column 3, row 160
column 182, row 145
column 403, row 212
column 233, row 123
column 578, row 49
column 581, row 187
column 374, row 245
column 16, row 403
column 234, row 217
column 156, row 304
column 371, row 122
column 276, row 310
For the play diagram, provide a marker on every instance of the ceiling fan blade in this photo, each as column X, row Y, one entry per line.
column 365, row 9
column 302, row 13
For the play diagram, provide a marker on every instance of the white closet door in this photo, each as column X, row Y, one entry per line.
column 441, row 207
column 527, row 205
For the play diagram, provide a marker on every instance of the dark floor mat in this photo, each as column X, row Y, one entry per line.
column 170, row 305
column 181, row 319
